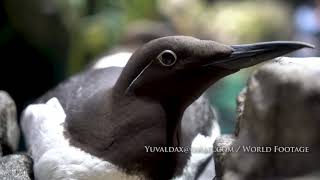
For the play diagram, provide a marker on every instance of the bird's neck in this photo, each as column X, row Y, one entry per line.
column 165, row 114
column 152, row 124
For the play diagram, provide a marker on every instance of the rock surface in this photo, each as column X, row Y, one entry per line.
column 9, row 129
column 240, row 108
column 221, row 146
column 16, row 167
column 281, row 109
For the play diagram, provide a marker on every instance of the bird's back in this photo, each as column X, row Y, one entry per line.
column 79, row 88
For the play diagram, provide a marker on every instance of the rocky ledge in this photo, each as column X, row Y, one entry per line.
column 13, row 165
column 278, row 125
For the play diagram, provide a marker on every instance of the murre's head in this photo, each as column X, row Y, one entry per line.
column 177, row 69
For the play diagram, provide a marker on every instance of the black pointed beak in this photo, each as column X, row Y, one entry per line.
column 247, row 55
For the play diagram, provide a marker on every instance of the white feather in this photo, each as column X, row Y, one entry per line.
column 118, row 59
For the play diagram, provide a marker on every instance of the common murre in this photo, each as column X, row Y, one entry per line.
column 112, row 113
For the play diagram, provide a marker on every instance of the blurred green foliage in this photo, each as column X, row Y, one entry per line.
column 74, row 32
column 230, row 21
column 97, row 25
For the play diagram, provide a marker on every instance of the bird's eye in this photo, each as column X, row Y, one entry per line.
column 167, row 58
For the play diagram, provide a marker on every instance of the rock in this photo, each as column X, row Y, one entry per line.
column 16, row 167
column 224, row 142
column 240, row 107
column 281, row 109
column 9, row 129
column 221, row 146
